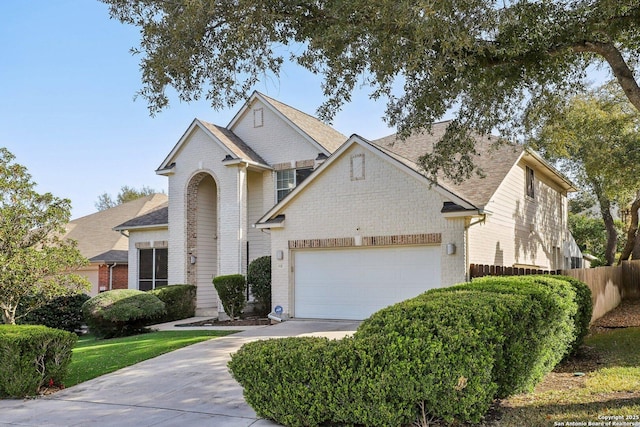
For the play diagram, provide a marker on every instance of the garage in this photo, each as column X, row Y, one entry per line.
column 354, row 283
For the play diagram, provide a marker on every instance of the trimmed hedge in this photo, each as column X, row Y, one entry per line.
column 585, row 309
column 122, row 312
column 259, row 278
column 451, row 351
column 548, row 331
column 179, row 300
column 231, row 290
column 31, row 357
column 282, row 379
column 64, row 312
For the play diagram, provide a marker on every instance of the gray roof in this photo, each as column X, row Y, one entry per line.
column 494, row 161
column 329, row 138
column 110, row 257
column 157, row 217
column 94, row 233
column 233, row 143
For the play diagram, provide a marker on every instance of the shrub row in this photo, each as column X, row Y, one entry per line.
column 31, row 357
column 122, row 312
column 451, row 350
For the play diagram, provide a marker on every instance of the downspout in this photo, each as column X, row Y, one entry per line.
column 111, row 275
column 466, row 243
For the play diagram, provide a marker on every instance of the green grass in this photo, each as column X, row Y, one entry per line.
column 93, row 358
column 610, row 388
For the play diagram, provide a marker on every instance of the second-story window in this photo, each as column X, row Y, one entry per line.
column 530, row 183
column 288, row 179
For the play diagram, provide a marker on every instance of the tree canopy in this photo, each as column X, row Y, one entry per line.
column 493, row 61
column 595, row 137
column 126, row 194
column 35, row 263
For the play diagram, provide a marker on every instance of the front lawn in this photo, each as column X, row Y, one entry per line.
column 93, row 358
column 608, row 392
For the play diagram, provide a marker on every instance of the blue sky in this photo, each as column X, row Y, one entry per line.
column 67, row 109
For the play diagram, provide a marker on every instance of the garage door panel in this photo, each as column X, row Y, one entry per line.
column 354, row 283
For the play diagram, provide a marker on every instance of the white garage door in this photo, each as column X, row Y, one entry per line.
column 354, row 283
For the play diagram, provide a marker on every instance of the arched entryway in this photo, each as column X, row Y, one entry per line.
column 202, row 240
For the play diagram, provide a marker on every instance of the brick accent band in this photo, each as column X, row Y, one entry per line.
column 368, row 241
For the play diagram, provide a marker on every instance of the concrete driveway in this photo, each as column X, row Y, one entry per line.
column 187, row 387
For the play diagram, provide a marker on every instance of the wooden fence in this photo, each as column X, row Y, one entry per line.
column 609, row 285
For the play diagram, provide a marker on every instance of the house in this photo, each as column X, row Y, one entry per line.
column 368, row 229
column 221, row 181
column 352, row 225
column 105, row 248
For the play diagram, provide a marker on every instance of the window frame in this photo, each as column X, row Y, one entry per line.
column 295, row 177
column 159, row 268
column 530, row 183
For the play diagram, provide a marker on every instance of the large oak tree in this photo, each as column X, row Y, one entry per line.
column 491, row 60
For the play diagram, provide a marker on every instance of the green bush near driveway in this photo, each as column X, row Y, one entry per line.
column 179, row 300
column 231, row 290
column 451, row 351
column 122, row 312
column 31, row 357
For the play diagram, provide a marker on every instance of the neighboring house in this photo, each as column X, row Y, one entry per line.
column 105, row 248
column 368, row 229
column 351, row 226
column 221, row 181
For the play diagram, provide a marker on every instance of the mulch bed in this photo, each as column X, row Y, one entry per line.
column 249, row 321
column 625, row 315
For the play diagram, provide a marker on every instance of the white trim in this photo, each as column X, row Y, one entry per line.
column 196, row 123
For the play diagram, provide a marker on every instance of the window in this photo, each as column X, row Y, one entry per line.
column 530, row 183
column 152, row 268
column 288, row 179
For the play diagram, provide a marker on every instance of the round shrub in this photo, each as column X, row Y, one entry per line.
column 31, row 357
column 282, row 379
column 179, row 300
column 259, row 278
column 122, row 312
column 63, row 312
column 231, row 290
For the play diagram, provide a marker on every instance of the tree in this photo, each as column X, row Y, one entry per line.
column 492, row 60
column 35, row 263
column 595, row 137
column 126, row 194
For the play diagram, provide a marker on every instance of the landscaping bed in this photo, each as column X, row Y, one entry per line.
column 249, row 321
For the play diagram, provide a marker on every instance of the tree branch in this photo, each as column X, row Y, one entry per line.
column 618, row 65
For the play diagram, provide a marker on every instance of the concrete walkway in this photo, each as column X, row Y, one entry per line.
column 187, row 387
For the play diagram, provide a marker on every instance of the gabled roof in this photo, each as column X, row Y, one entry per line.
column 407, row 166
column 94, row 233
column 316, row 130
column 110, row 257
column 226, row 139
column 495, row 160
column 157, row 218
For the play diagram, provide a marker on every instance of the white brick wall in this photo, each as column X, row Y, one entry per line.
column 521, row 230
column 387, row 202
column 275, row 141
